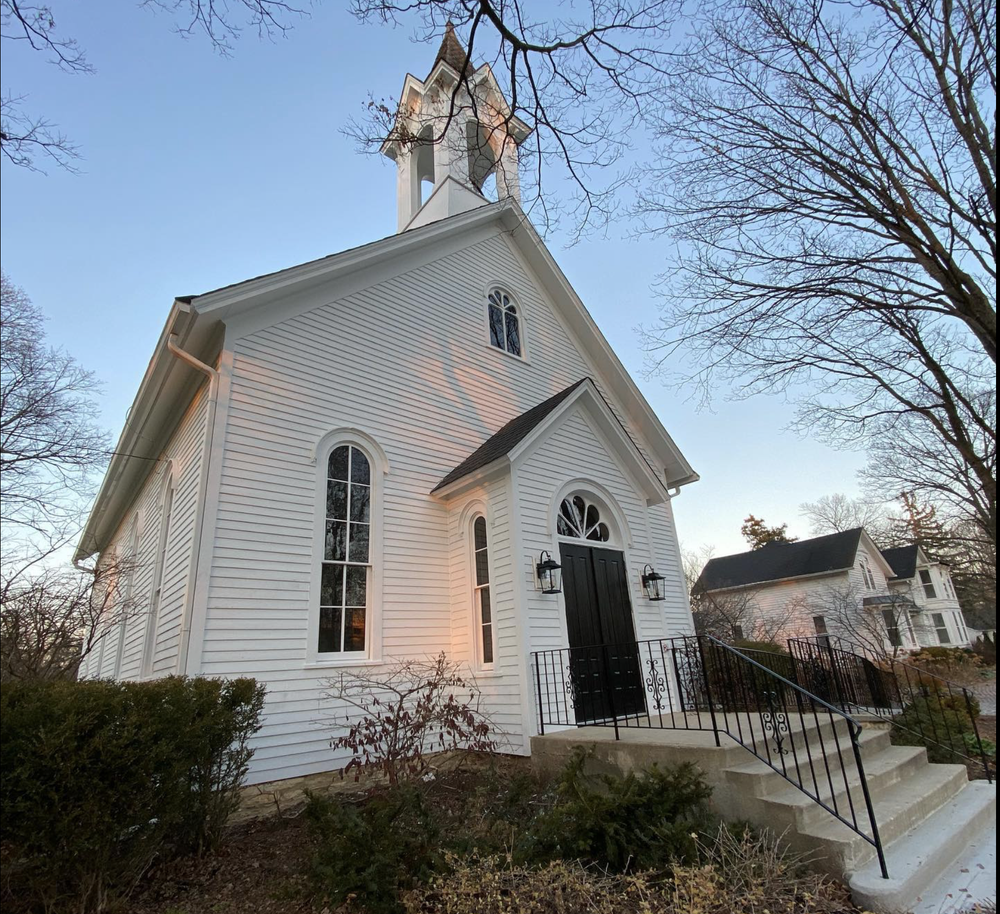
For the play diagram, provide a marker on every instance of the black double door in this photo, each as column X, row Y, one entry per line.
column 604, row 659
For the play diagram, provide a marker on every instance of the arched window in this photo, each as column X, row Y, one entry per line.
column 867, row 575
column 481, row 591
column 166, row 525
column 505, row 327
column 346, row 564
column 581, row 519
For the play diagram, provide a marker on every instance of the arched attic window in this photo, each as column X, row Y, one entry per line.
column 505, row 322
column 345, row 574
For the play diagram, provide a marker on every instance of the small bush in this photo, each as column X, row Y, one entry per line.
column 640, row 821
column 937, row 721
column 101, row 778
column 369, row 850
column 738, row 873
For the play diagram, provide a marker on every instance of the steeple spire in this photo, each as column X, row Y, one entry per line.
column 453, row 130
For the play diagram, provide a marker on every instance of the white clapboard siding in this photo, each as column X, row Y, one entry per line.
column 407, row 362
column 184, row 455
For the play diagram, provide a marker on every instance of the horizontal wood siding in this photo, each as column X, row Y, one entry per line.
column 407, row 362
column 184, row 452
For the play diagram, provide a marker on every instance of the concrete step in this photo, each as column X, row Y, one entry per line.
column 789, row 807
column 921, row 856
column 898, row 808
column 755, row 777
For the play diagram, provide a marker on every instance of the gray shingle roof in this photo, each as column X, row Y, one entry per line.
column 507, row 438
column 777, row 561
column 903, row 560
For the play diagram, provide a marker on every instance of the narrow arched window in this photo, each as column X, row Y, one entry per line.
column 346, row 564
column 505, row 323
column 481, row 588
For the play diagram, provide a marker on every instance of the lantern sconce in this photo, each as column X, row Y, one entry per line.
column 652, row 583
column 549, row 573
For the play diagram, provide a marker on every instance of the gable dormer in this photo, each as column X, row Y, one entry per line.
column 453, row 130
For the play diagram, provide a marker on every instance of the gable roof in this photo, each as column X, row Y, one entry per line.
column 198, row 324
column 518, row 438
column 503, row 441
column 779, row 561
column 903, row 560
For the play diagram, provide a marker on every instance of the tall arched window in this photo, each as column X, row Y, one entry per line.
column 481, row 590
column 346, row 564
column 505, row 324
column 166, row 524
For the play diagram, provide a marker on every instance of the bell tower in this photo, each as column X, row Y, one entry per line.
column 452, row 131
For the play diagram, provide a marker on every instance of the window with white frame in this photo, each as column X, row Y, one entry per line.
column 867, row 575
column 941, row 628
column 927, row 582
column 481, row 588
column 127, row 590
column 822, row 632
column 891, row 621
column 166, row 525
column 505, row 322
column 345, row 575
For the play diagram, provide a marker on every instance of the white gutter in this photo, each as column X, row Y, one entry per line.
column 199, row 526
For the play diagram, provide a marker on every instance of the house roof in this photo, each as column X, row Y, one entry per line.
column 903, row 560
column 504, row 440
column 778, row 561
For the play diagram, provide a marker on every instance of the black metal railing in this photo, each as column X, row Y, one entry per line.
column 923, row 709
column 699, row 683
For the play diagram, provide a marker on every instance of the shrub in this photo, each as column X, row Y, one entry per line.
column 937, row 721
column 406, row 711
column 640, row 821
column 371, row 849
column 100, row 778
column 740, row 872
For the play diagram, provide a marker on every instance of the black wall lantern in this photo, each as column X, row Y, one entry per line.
column 652, row 583
column 549, row 573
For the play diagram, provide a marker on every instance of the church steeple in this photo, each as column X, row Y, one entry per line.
column 452, row 131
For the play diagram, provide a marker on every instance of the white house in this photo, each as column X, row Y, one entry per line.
column 840, row 584
column 364, row 458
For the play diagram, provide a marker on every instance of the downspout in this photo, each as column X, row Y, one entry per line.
column 213, row 399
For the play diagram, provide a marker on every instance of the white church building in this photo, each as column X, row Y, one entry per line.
column 366, row 457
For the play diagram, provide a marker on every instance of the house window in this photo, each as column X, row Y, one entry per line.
column 481, row 587
column 866, row 574
column 738, row 632
column 941, row 628
column 505, row 323
column 892, row 627
column 822, row 633
column 581, row 519
column 928, row 584
column 166, row 523
column 346, row 562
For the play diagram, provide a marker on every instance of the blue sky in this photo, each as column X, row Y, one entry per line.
column 200, row 170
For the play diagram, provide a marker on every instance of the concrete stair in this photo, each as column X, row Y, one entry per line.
column 927, row 814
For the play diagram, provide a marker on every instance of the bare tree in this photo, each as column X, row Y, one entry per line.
column 830, row 172
column 883, row 630
column 837, row 513
column 581, row 82
column 25, row 138
column 50, row 442
column 54, row 619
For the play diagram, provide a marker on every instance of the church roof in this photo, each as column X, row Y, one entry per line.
column 505, row 439
column 780, row 561
column 451, row 51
